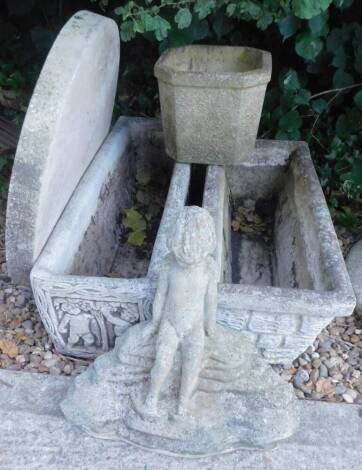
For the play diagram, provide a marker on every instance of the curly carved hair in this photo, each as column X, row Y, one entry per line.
column 193, row 236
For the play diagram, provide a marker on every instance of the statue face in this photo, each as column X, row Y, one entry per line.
column 193, row 237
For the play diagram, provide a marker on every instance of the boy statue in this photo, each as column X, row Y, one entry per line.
column 184, row 309
column 180, row 383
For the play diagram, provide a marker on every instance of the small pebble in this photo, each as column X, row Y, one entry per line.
column 340, row 389
column 48, row 355
column 323, row 371
column 347, row 398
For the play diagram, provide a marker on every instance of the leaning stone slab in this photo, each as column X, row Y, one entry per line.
column 354, row 267
column 35, row 436
column 68, row 117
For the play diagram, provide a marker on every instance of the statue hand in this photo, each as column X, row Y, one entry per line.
column 210, row 331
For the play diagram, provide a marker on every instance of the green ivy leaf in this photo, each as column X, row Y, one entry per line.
column 290, row 81
column 230, row 9
column 127, row 31
column 347, row 217
column 134, row 220
column 148, row 21
column 358, row 59
column 308, row 46
column 203, row 8
column 291, row 134
column 343, row 3
column 340, row 59
column 264, row 21
column 143, row 178
column 318, row 24
column 3, row 163
column 183, row 18
column 303, row 97
column 138, row 26
column 288, row 26
column 349, row 123
column 222, row 25
column 356, row 173
column 342, row 79
column 319, row 105
column 136, row 238
column 358, row 99
column 290, row 121
column 161, row 27
column 197, row 30
column 307, row 9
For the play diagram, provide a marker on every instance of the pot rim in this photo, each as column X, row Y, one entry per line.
column 229, row 79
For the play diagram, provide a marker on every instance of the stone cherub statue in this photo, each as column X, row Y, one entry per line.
column 184, row 309
column 180, row 383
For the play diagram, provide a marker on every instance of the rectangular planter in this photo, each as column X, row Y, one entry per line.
column 284, row 291
column 84, row 311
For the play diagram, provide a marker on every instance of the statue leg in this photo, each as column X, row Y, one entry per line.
column 167, row 343
column 192, row 356
column 73, row 338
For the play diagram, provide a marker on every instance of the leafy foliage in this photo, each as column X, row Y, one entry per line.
column 134, row 221
column 316, row 89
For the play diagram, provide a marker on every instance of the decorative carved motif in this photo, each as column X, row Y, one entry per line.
column 79, row 322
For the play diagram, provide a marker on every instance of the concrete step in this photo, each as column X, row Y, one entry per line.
column 34, row 436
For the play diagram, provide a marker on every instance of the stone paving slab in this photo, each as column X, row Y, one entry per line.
column 35, row 436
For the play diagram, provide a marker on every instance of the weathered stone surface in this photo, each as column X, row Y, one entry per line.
column 35, row 436
column 298, row 282
column 211, row 100
column 178, row 383
column 354, row 267
column 84, row 244
column 68, row 117
column 296, row 312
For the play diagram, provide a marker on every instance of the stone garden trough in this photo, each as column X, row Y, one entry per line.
column 72, row 181
column 283, row 292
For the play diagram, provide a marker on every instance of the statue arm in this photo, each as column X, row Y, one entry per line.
column 211, row 302
column 63, row 323
column 161, row 292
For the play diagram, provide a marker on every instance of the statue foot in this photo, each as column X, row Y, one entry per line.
column 182, row 410
column 147, row 409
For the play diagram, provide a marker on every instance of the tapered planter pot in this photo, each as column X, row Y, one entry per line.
column 211, row 101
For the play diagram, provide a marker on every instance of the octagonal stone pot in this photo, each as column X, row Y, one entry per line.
column 211, row 100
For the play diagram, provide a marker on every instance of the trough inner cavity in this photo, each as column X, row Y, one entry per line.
column 119, row 241
column 274, row 236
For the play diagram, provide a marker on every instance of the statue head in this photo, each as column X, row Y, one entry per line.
column 193, row 236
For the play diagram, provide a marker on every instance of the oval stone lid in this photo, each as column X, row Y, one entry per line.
column 68, row 117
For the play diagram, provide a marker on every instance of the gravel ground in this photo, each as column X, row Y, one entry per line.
column 329, row 370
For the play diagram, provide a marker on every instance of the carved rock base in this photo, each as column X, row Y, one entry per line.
column 239, row 402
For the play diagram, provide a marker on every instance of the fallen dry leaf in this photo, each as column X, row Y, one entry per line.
column 9, row 347
column 325, row 387
column 21, row 337
column 15, row 323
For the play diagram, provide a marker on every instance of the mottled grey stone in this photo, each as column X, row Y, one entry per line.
column 354, row 266
column 303, row 294
column 68, row 117
column 211, row 100
column 35, row 436
column 179, row 383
